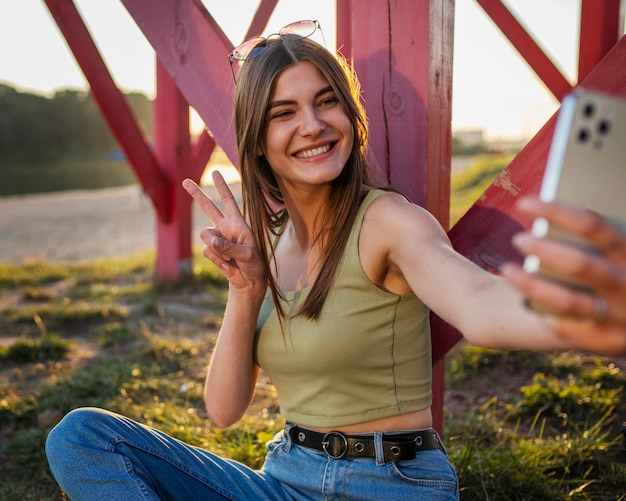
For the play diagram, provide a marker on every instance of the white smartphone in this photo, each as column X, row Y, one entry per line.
column 586, row 166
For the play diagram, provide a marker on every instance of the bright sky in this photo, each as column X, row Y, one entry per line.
column 494, row 89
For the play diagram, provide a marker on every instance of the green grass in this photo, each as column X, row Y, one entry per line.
column 102, row 333
column 557, row 436
column 554, row 436
column 467, row 186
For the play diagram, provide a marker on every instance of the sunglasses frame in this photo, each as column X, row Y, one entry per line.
column 253, row 47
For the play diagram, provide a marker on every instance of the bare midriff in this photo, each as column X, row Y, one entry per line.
column 410, row 421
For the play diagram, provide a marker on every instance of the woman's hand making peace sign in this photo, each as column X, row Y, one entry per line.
column 229, row 243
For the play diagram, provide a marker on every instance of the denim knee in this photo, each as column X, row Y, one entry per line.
column 67, row 438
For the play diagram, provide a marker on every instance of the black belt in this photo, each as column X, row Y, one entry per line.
column 337, row 445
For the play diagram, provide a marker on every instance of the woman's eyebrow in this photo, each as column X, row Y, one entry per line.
column 284, row 102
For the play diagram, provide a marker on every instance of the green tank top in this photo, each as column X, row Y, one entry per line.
column 367, row 357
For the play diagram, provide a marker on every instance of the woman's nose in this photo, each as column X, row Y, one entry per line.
column 311, row 124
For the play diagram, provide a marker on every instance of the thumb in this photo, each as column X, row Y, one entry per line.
column 221, row 245
column 230, row 250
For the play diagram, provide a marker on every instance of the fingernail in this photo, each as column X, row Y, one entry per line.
column 521, row 240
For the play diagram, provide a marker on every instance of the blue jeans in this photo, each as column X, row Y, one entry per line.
column 95, row 454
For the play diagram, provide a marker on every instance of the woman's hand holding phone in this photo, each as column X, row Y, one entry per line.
column 593, row 317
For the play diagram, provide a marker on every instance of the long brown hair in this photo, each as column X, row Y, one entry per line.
column 262, row 199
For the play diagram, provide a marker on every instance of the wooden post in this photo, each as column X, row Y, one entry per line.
column 601, row 26
column 172, row 146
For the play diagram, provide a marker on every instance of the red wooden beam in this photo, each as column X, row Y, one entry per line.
column 200, row 155
column 261, row 16
column 528, row 48
column 601, row 25
column 439, row 106
column 344, row 32
column 205, row 145
column 172, row 144
column 112, row 104
column 405, row 68
column 194, row 50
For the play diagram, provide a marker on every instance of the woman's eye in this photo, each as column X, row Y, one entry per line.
column 328, row 101
column 281, row 114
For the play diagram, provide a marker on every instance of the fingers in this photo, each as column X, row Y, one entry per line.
column 226, row 196
column 212, row 240
column 224, row 249
column 553, row 297
column 226, row 254
column 580, row 264
column 206, row 203
column 593, row 319
column 604, row 235
column 566, row 301
column 203, row 200
column 229, row 244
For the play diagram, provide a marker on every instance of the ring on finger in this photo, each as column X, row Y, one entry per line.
column 600, row 310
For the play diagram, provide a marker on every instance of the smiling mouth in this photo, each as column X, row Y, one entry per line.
column 315, row 151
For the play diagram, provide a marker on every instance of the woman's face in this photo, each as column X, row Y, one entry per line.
column 309, row 136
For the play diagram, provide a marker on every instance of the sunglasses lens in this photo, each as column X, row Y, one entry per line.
column 299, row 29
column 249, row 49
column 253, row 47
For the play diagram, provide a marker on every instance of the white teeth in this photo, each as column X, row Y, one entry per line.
column 314, row 151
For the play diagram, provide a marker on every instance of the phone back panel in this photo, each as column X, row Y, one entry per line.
column 587, row 162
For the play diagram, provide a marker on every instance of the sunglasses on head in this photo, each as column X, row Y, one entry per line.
column 253, row 47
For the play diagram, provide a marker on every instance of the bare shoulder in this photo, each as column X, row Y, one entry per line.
column 394, row 212
column 398, row 238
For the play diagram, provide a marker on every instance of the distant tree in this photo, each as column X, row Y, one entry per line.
column 67, row 124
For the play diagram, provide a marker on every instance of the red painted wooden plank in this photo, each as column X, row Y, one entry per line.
column 439, row 126
column 193, row 48
column 609, row 75
column 405, row 50
column 438, row 154
column 172, row 147
column 484, row 233
column 200, row 155
column 112, row 104
column 261, row 16
column 438, row 161
column 600, row 28
column 344, row 33
column 527, row 47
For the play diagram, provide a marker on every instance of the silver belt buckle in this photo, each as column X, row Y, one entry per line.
column 343, row 442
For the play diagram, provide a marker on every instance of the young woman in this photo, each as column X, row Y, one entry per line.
column 331, row 281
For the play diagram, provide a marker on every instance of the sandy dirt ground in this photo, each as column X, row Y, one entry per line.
column 81, row 225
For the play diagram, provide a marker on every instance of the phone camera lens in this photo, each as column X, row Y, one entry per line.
column 588, row 110
column 583, row 135
column 604, row 126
